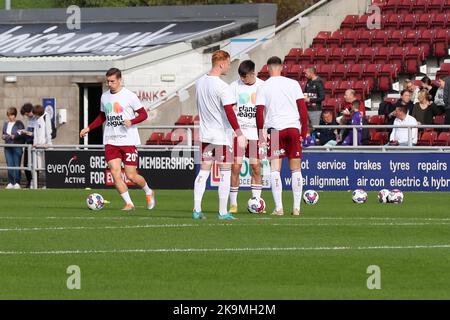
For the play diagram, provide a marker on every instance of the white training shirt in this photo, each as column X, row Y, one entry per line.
column 212, row 95
column 246, row 107
column 401, row 134
column 118, row 107
column 279, row 95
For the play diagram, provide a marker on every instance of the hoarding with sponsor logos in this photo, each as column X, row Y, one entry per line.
column 368, row 171
column 88, row 169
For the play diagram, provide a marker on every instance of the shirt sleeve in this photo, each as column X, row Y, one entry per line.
column 298, row 93
column 135, row 103
column 227, row 96
column 260, row 97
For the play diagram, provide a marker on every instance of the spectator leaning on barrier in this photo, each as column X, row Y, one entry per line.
column 447, row 100
column 428, row 85
column 27, row 111
column 399, row 136
column 314, row 95
column 326, row 136
column 439, row 98
column 11, row 134
column 425, row 110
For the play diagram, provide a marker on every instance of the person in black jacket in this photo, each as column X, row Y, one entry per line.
column 388, row 109
column 326, row 136
column 314, row 95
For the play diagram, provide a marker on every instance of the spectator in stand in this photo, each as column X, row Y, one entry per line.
column 27, row 112
column 405, row 100
column 356, row 119
column 447, row 100
column 314, row 95
column 439, row 98
column 429, row 86
column 425, row 110
column 413, row 89
column 42, row 134
column 349, row 98
column 399, row 136
column 326, row 136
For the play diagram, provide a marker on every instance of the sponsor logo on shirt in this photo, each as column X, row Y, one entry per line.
column 110, row 108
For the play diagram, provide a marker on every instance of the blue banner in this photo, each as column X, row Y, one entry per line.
column 368, row 171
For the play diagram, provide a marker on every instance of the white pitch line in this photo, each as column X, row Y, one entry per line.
column 146, row 226
column 206, row 250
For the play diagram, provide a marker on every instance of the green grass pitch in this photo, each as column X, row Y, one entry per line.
column 164, row 254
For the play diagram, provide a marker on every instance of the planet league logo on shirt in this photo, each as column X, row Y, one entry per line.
column 246, row 106
column 113, row 120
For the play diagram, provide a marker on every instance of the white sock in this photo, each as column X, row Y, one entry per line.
column 126, row 197
column 256, row 190
column 297, row 188
column 233, row 195
column 147, row 190
column 224, row 190
column 277, row 189
column 199, row 189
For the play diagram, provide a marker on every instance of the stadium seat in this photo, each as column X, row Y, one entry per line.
column 307, row 56
column 427, row 138
column 376, row 120
column 179, row 136
column 397, row 57
column 185, row 120
column 340, row 72
column 349, row 22
column 325, row 71
column 392, row 21
column 263, row 74
column 391, row 6
column 336, row 56
column 404, row 6
column 331, row 104
column 362, row 89
column 330, row 87
column 390, row 100
column 349, row 39
column 335, row 39
column 355, row 72
column 413, row 58
column 364, row 39
column 395, row 38
column 361, row 23
column 443, row 139
column 420, row 6
column 285, row 70
column 436, row 6
column 444, row 71
column 408, row 21
column 320, row 41
column 379, row 138
column 196, row 119
column 351, row 55
column 439, row 119
column 382, row 55
column 410, row 38
column 371, row 73
column 342, row 87
column 440, row 48
column 167, row 140
column 423, row 21
column 155, row 138
column 292, row 56
column 295, row 72
column 425, row 40
column 385, row 76
column 367, row 55
column 302, row 84
column 322, row 55
column 379, row 38
column 439, row 20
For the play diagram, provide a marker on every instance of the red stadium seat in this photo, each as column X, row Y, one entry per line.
column 331, row 104
column 390, row 100
column 395, row 38
column 413, row 58
column 427, row 138
column 322, row 55
column 325, row 71
column 439, row 119
column 155, row 138
column 436, row 6
column 335, row 39
column 362, row 89
column 392, row 21
column 179, row 136
column 293, row 55
column 263, row 74
column 340, row 72
column 426, row 39
column 330, row 87
column 320, row 41
column 361, row 23
column 185, row 120
column 196, row 119
column 342, row 87
column 410, row 38
column 295, row 72
column 367, row 55
column 336, row 56
column 379, row 38
column 408, row 21
column 423, row 22
column 443, row 139
column 444, row 71
column 398, row 57
column 404, row 6
column 439, row 20
column 382, row 55
column 386, row 76
column 420, row 6
column 371, row 73
column 349, row 22
column 351, row 55
column 285, row 70
column 441, row 43
column 379, row 138
column 349, row 39
column 307, row 56
column 364, row 39
column 355, row 72
column 376, row 120
column 391, row 6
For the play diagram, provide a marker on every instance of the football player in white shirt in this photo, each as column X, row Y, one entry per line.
column 215, row 102
column 287, row 122
column 244, row 90
column 120, row 137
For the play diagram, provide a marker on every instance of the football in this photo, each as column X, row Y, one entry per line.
column 395, row 196
column 359, row 196
column 95, row 201
column 310, row 197
column 383, row 196
column 256, row 205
